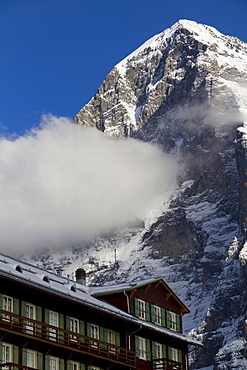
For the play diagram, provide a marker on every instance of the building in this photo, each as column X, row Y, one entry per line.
column 49, row 322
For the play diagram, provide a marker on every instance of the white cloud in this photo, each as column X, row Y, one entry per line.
column 64, row 183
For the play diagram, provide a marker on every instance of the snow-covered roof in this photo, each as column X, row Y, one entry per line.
column 30, row 275
column 117, row 288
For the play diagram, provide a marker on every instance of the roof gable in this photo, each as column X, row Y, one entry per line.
column 134, row 286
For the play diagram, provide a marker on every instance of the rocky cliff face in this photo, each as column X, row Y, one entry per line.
column 185, row 90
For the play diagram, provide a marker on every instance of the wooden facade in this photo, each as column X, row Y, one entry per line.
column 52, row 323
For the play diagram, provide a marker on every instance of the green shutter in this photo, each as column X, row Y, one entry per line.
column 163, row 320
column 61, row 321
column 152, row 313
column 24, row 357
column 82, row 367
column 16, row 306
column 81, row 327
column 178, row 326
column 61, row 326
column 102, row 334
column 15, row 354
column 117, row 339
column 47, row 362
column 153, row 351
column 23, row 309
column 67, row 323
column 1, row 301
column 38, row 313
column 147, row 311
column 148, row 351
column 47, row 316
column 39, row 361
column 169, row 353
column 137, row 346
column 163, row 351
column 136, row 307
column 1, row 352
column 61, row 364
column 168, row 322
column 89, row 330
column 180, row 356
column 39, row 318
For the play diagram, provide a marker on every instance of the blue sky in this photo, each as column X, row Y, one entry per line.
column 56, row 53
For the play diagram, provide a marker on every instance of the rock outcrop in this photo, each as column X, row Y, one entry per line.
column 184, row 90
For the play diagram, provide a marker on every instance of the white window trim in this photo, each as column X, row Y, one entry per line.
column 9, row 304
column 75, row 365
column 158, row 353
column 30, row 314
column 94, row 331
column 142, row 348
column 54, row 321
column 74, row 327
column 174, row 354
column 7, row 357
column 54, row 360
column 173, row 321
column 142, row 309
column 34, row 353
column 157, row 315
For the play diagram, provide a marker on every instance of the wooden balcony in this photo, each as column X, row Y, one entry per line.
column 75, row 342
column 12, row 366
column 165, row 364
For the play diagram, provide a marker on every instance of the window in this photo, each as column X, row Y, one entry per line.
column 173, row 322
column 94, row 331
column 6, row 354
column 30, row 314
column 142, row 348
column 158, row 350
column 94, row 334
column 157, row 315
column 111, row 337
column 31, row 359
column 74, row 365
column 53, row 363
column 174, row 354
column 7, row 306
column 53, row 320
column 7, row 303
column 74, row 326
column 141, row 309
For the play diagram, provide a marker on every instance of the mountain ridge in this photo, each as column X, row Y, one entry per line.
column 188, row 96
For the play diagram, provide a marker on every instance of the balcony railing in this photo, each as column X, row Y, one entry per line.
column 165, row 364
column 64, row 338
column 12, row 366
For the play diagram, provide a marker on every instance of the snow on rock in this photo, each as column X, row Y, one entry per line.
column 232, row 356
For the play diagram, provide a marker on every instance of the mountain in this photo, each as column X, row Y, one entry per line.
column 185, row 90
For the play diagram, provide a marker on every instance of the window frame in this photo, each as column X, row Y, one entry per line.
column 142, row 348
column 174, row 354
column 29, row 351
column 157, row 317
column 141, row 309
column 74, row 365
column 5, row 355
column 6, row 307
column 56, row 360
column 173, row 321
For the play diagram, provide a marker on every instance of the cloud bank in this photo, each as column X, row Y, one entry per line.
column 64, row 183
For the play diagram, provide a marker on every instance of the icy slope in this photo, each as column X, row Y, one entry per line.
column 184, row 89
